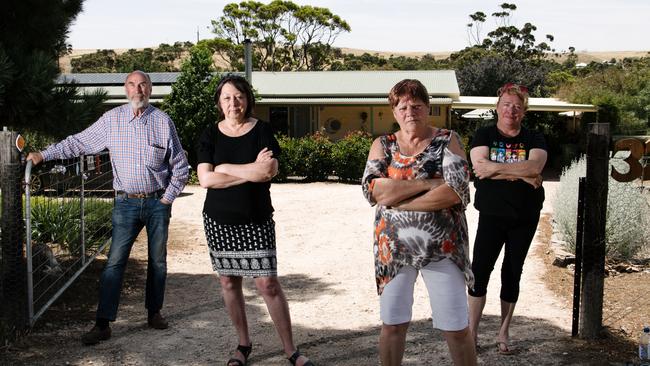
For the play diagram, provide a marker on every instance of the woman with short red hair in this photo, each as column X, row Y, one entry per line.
column 418, row 177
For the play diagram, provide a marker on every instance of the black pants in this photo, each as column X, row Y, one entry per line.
column 492, row 233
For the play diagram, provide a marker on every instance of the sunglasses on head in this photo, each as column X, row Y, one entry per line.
column 509, row 86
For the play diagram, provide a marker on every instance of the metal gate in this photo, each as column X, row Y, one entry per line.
column 67, row 211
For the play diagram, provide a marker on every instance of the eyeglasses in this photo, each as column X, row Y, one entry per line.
column 512, row 86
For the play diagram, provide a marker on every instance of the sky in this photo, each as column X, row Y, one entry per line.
column 378, row 25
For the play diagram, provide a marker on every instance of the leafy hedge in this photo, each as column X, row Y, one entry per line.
column 350, row 155
column 315, row 158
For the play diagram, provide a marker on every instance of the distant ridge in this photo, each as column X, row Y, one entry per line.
column 438, row 55
column 583, row 56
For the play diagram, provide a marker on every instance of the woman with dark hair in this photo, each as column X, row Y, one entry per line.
column 418, row 177
column 237, row 158
column 507, row 160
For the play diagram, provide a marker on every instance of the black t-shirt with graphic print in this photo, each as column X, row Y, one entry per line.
column 503, row 197
column 244, row 203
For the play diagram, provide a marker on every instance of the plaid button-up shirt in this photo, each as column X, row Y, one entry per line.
column 146, row 153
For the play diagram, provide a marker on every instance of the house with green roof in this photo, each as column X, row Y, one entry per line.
column 333, row 102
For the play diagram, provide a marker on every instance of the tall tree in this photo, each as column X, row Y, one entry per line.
column 507, row 39
column 191, row 102
column 506, row 54
column 32, row 37
column 285, row 36
column 475, row 27
column 486, row 75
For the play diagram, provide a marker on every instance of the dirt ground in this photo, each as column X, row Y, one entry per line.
column 324, row 236
column 626, row 304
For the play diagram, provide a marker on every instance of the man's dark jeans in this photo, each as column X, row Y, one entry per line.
column 130, row 215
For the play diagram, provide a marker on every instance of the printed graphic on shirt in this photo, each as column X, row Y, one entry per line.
column 502, row 152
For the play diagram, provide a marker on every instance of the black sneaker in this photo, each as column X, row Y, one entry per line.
column 158, row 322
column 95, row 335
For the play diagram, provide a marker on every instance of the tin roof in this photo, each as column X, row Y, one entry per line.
column 350, row 83
column 102, row 79
column 300, row 84
column 326, row 87
column 534, row 104
column 343, row 101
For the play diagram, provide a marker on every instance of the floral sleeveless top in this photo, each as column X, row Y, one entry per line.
column 417, row 238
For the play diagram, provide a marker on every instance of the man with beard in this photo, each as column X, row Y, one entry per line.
column 149, row 171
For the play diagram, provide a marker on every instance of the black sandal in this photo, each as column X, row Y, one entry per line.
column 294, row 357
column 245, row 351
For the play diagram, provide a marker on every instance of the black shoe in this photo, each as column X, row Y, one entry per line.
column 95, row 335
column 158, row 322
column 245, row 351
column 294, row 358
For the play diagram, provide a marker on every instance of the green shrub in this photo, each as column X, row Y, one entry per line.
column 308, row 157
column 193, row 178
column 349, row 155
column 59, row 222
column 99, row 223
column 627, row 228
column 56, row 221
column 315, row 158
column 288, row 157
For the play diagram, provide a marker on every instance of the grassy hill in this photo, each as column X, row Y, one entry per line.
column 583, row 56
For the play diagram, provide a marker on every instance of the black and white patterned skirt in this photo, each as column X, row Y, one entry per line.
column 246, row 250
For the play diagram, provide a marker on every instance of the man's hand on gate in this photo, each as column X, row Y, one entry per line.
column 35, row 157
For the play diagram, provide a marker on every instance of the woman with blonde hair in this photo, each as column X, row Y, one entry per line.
column 507, row 160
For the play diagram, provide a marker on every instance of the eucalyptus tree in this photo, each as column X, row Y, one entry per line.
column 507, row 39
column 284, row 35
column 475, row 27
column 506, row 54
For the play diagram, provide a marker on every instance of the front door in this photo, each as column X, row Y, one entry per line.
column 279, row 118
column 300, row 121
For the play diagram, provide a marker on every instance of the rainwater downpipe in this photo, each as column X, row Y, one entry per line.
column 248, row 60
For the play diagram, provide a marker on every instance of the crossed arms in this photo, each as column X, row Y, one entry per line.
column 263, row 169
column 529, row 170
column 416, row 194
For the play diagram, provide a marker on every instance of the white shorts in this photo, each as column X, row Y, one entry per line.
column 447, row 295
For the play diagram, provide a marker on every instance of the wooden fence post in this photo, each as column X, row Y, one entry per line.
column 13, row 283
column 593, row 267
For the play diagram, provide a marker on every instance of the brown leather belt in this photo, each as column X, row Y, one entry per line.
column 156, row 194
